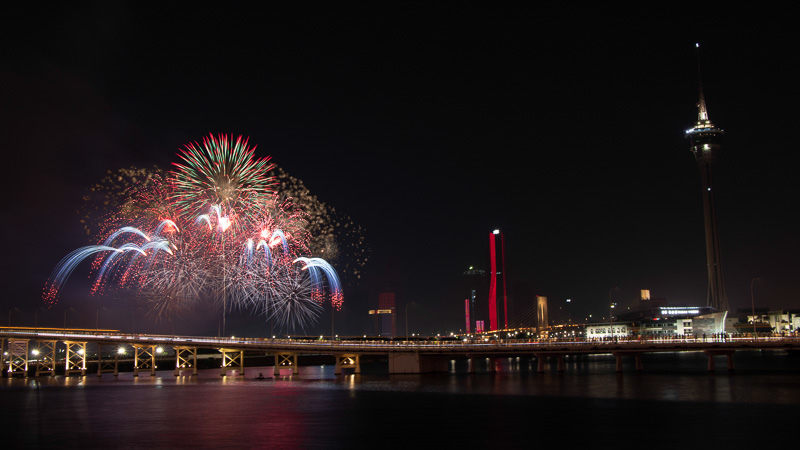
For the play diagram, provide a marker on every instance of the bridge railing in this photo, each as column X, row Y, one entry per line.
column 325, row 344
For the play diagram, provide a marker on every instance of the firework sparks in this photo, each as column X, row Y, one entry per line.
column 217, row 233
column 220, row 172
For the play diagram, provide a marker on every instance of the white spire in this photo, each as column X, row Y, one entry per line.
column 702, row 111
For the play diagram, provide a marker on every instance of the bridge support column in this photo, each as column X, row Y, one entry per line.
column 144, row 358
column 76, row 358
column 540, row 361
column 346, row 362
column 232, row 359
column 18, row 357
column 636, row 355
column 185, row 359
column 712, row 353
column 46, row 358
column 107, row 365
column 414, row 362
column 286, row 361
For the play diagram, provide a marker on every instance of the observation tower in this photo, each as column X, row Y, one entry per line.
column 705, row 144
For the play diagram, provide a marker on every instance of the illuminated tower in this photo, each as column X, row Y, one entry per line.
column 493, row 319
column 492, row 283
column 705, row 144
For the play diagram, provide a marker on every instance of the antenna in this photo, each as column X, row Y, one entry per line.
column 702, row 113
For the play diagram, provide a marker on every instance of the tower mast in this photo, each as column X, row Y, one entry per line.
column 705, row 144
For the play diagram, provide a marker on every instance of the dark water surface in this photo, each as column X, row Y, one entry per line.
column 674, row 403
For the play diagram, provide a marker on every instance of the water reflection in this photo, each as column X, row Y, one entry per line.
column 318, row 408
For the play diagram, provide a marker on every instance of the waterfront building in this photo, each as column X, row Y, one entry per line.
column 541, row 313
column 607, row 330
column 476, row 288
column 385, row 317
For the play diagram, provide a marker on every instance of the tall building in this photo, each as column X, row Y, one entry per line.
column 705, row 144
column 541, row 313
column 493, row 273
column 385, row 319
column 476, row 288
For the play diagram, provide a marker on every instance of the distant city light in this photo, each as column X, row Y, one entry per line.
column 496, row 231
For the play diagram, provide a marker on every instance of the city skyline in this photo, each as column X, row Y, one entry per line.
column 563, row 131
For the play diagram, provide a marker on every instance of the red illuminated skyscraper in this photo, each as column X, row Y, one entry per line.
column 493, row 325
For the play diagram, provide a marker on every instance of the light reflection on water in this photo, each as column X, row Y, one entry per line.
column 318, row 408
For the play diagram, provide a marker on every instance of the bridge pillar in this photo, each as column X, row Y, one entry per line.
column 286, row 361
column 618, row 357
column 185, row 359
column 712, row 353
column 232, row 359
column 75, row 361
column 18, row 357
column 107, row 365
column 46, row 358
column 144, row 358
column 540, row 361
column 414, row 362
column 347, row 361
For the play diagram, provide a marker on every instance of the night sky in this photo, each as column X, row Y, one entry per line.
column 429, row 127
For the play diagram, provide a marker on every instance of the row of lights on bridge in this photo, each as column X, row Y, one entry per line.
column 120, row 351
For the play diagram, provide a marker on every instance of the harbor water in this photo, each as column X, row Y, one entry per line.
column 675, row 402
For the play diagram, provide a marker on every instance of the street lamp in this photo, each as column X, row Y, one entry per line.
column 753, row 306
column 36, row 317
column 407, row 305
column 14, row 308
column 97, row 318
column 65, row 315
column 223, row 223
column 611, row 309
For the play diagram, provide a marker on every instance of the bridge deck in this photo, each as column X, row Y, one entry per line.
column 470, row 348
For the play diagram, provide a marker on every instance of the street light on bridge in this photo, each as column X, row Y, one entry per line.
column 407, row 305
column 753, row 305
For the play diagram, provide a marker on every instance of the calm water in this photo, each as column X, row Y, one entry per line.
column 675, row 403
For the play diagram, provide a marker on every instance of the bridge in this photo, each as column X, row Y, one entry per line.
column 37, row 347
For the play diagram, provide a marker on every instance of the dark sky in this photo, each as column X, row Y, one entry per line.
column 429, row 126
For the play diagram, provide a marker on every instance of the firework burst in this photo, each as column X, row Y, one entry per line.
column 209, row 233
column 220, row 172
